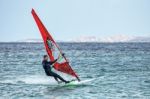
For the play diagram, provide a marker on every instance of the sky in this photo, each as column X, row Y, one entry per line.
column 67, row 19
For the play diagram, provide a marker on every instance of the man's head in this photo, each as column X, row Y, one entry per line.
column 45, row 57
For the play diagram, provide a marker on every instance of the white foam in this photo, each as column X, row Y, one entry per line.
column 38, row 79
column 35, row 79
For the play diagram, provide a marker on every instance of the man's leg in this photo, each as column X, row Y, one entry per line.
column 56, row 79
column 50, row 74
column 57, row 76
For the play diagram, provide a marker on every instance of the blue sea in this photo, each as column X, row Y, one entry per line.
column 119, row 70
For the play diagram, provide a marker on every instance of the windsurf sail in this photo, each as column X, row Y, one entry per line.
column 53, row 49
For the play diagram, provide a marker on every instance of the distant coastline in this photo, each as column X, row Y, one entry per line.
column 68, row 42
column 93, row 39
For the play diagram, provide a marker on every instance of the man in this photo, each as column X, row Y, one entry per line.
column 47, row 65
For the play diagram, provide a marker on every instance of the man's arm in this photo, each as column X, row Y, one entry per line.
column 60, row 56
column 52, row 62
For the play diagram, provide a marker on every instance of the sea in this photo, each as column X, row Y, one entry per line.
column 117, row 70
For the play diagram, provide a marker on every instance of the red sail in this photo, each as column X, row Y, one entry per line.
column 53, row 49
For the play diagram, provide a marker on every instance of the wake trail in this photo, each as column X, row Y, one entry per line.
column 35, row 79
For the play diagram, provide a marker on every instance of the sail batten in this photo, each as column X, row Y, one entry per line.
column 53, row 49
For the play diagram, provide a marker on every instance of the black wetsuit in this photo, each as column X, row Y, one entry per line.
column 48, row 70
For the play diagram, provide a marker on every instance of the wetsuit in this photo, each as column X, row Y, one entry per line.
column 48, row 70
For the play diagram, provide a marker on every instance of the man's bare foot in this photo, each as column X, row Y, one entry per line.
column 67, row 82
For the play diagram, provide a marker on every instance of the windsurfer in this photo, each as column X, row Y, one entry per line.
column 47, row 65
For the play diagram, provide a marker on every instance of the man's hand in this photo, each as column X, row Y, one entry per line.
column 63, row 54
column 60, row 56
